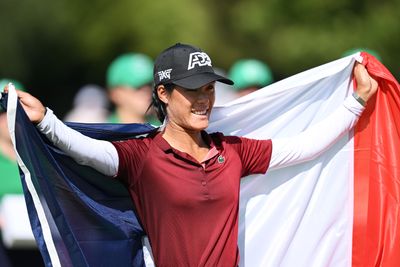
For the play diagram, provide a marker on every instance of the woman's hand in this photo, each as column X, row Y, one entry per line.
column 32, row 106
column 366, row 85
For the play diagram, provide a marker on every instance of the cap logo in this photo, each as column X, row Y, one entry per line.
column 200, row 59
column 164, row 74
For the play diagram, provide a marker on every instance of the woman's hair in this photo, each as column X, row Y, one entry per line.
column 158, row 105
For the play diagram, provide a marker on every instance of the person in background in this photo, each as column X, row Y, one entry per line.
column 11, row 185
column 249, row 75
column 9, row 174
column 90, row 105
column 129, row 78
column 10, row 181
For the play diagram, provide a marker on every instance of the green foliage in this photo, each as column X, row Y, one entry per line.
column 292, row 36
column 55, row 46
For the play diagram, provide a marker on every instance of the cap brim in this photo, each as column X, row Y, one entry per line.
column 201, row 79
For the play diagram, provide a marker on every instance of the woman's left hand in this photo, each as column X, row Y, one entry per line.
column 32, row 106
column 366, row 85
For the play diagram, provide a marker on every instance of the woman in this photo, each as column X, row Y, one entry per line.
column 183, row 181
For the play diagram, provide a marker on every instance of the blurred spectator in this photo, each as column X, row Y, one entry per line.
column 17, row 84
column 249, row 75
column 129, row 80
column 11, row 186
column 369, row 51
column 11, row 183
column 90, row 105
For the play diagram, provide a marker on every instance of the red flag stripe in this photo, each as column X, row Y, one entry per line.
column 376, row 228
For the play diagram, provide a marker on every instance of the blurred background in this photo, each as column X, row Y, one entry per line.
column 54, row 47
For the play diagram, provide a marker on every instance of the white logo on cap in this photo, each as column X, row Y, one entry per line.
column 165, row 74
column 200, row 59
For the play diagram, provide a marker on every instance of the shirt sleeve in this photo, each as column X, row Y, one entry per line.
column 98, row 154
column 131, row 154
column 255, row 155
column 318, row 138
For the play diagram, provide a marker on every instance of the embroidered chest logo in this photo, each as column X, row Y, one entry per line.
column 199, row 59
column 221, row 159
column 164, row 74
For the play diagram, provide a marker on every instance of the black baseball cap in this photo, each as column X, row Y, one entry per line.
column 186, row 66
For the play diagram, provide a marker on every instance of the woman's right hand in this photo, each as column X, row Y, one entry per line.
column 32, row 106
column 367, row 86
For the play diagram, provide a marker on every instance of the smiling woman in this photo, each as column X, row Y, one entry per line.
column 183, row 181
column 182, row 66
column 188, row 108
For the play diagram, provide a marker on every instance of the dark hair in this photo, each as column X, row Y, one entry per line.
column 157, row 104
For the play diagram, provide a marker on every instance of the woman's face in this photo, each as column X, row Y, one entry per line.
column 191, row 109
column 135, row 100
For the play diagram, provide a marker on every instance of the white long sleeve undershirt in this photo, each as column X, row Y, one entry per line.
column 102, row 155
column 318, row 138
column 98, row 154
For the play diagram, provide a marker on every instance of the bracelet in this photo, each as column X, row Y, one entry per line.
column 359, row 99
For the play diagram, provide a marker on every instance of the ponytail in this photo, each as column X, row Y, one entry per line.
column 158, row 105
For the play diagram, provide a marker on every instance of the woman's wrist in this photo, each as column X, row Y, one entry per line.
column 47, row 117
column 359, row 99
column 43, row 112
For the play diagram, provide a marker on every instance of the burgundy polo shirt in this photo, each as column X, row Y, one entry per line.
column 189, row 209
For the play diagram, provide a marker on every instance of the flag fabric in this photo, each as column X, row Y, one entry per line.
column 299, row 215
column 376, row 229
column 340, row 209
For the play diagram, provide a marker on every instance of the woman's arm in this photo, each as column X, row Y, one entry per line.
column 98, row 154
column 314, row 141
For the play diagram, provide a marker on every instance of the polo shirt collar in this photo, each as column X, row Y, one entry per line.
column 165, row 146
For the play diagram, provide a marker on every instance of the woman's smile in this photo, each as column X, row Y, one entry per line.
column 200, row 110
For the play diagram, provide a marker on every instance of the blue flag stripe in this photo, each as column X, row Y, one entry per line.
column 35, row 209
column 79, row 217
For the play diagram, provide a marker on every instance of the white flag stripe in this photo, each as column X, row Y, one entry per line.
column 300, row 215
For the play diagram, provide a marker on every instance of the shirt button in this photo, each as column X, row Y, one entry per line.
column 204, row 183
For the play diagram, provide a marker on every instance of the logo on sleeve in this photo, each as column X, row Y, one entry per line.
column 199, row 59
column 164, row 74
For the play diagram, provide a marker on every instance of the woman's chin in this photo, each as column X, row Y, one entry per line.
column 199, row 124
column 201, row 121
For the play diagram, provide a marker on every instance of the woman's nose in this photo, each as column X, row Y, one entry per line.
column 204, row 97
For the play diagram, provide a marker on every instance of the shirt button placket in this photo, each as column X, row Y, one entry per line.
column 204, row 185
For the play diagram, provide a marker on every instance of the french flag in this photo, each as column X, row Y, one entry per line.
column 340, row 209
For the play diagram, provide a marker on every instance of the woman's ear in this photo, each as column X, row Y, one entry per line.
column 162, row 94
